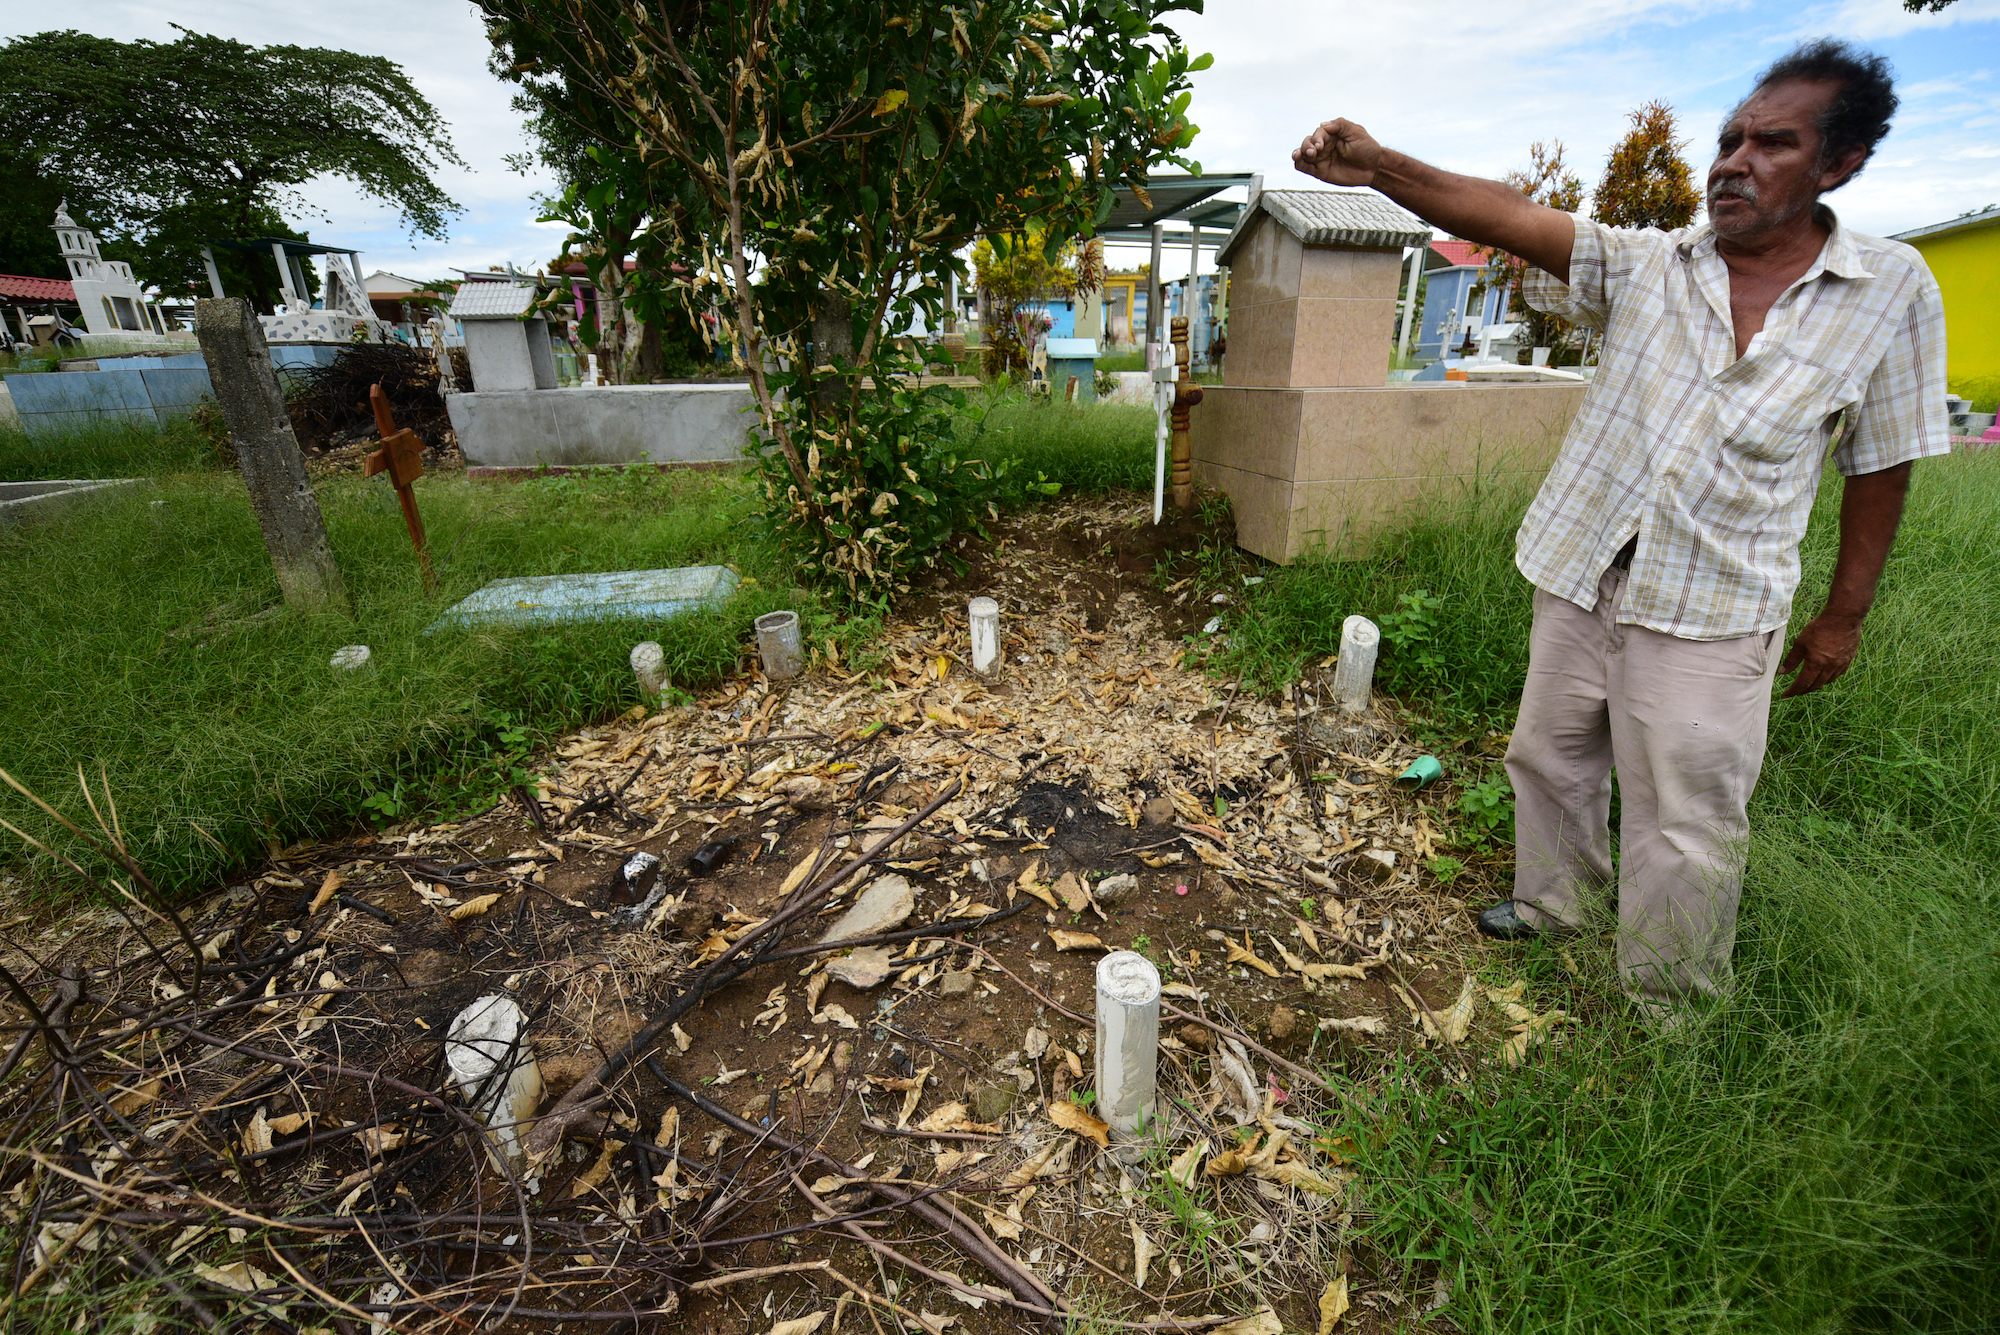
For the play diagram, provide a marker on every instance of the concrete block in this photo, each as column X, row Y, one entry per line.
column 635, row 595
column 617, row 424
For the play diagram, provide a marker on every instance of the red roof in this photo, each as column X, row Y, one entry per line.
column 1460, row 253
column 21, row 288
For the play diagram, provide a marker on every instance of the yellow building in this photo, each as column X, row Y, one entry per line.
column 1964, row 255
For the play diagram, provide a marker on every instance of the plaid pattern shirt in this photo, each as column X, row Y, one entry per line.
column 1711, row 459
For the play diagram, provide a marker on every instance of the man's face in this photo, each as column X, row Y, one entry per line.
column 1767, row 169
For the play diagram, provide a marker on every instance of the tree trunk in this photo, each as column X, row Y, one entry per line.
column 281, row 494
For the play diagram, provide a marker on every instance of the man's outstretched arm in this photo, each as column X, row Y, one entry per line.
column 1487, row 212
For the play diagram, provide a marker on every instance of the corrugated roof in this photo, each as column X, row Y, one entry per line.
column 20, row 287
column 491, row 301
column 1359, row 218
column 1462, row 254
column 1984, row 218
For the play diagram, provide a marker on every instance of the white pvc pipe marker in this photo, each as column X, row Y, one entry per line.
column 1128, row 1040
column 649, row 665
column 1354, row 675
column 984, row 614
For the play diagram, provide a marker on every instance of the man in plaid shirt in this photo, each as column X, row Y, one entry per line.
column 1663, row 545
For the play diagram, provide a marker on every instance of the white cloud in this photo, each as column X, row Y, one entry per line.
column 1467, row 87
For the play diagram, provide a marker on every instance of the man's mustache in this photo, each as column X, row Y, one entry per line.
column 1744, row 190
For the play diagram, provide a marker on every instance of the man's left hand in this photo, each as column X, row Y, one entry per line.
column 1822, row 652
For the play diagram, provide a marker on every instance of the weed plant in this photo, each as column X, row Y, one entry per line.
column 148, row 641
column 1814, row 1154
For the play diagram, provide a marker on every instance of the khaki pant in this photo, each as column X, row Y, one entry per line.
column 1683, row 722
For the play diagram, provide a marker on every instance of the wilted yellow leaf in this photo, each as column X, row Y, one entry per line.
column 889, row 101
column 473, row 908
column 1066, row 940
column 1244, row 955
column 1070, row 1117
column 328, row 888
column 1187, row 1164
column 1332, row 1305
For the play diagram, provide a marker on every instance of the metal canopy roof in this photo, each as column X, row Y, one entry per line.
column 261, row 245
column 1176, row 198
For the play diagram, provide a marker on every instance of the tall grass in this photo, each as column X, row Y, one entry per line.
column 1086, row 448
column 109, row 449
column 1816, row 1155
column 148, row 640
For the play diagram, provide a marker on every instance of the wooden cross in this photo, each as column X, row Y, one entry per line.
column 401, row 456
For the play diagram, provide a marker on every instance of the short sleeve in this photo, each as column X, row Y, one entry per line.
column 1902, row 414
column 1586, row 298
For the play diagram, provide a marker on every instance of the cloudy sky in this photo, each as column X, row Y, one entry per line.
column 1468, row 86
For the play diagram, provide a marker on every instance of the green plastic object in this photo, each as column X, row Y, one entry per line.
column 1422, row 773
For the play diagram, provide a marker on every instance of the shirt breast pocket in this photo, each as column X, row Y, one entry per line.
column 1774, row 404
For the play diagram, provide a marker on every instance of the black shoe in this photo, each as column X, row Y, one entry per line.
column 1503, row 922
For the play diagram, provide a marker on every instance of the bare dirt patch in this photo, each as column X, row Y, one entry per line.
column 1098, row 793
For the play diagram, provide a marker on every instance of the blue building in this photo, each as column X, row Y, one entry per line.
column 1455, row 305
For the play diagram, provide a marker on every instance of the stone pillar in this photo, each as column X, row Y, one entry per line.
column 274, row 472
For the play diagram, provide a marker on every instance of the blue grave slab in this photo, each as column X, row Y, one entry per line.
column 619, row 595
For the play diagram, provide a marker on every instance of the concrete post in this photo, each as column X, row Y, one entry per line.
column 1128, row 1040
column 1410, row 298
column 285, row 294
column 1354, row 675
column 1155, row 292
column 274, row 472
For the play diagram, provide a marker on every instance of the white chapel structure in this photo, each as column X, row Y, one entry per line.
column 111, row 299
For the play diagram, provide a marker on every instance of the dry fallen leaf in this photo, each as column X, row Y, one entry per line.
column 726, row 1076
column 1187, row 1164
column 1458, row 1020
column 1072, row 893
column 955, row 1117
column 1066, row 940
column 803, row 1325
column 1159, row 860
column 1357, row 1024
column 1244, row 955
column 473, row 908
column 327, row 890
column 1071, row 1117
column 1332, row 1305
column 1514, row 992
column 257, row 1135
column 1263, row 1321
column 290, row 1124
column 837, row 1013
column 682, row 1039
column 1142, row 1254
column 1230, row 1163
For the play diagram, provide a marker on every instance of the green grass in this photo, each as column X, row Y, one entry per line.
column 108, row 449
column 1088, row 449
column 217, row 743
column 1817, row 1156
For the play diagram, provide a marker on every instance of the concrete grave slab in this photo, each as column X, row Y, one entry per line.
column 22, row 501
column 618, row 595
column 617, row 424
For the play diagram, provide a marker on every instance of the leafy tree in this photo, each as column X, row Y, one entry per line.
column 603, row 192
column 1547, row 180
column 165, row 145
column 1647, row 182
column 815, row 157
column 1020, row 273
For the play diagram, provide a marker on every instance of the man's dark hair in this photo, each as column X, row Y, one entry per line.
column 1857, row 115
